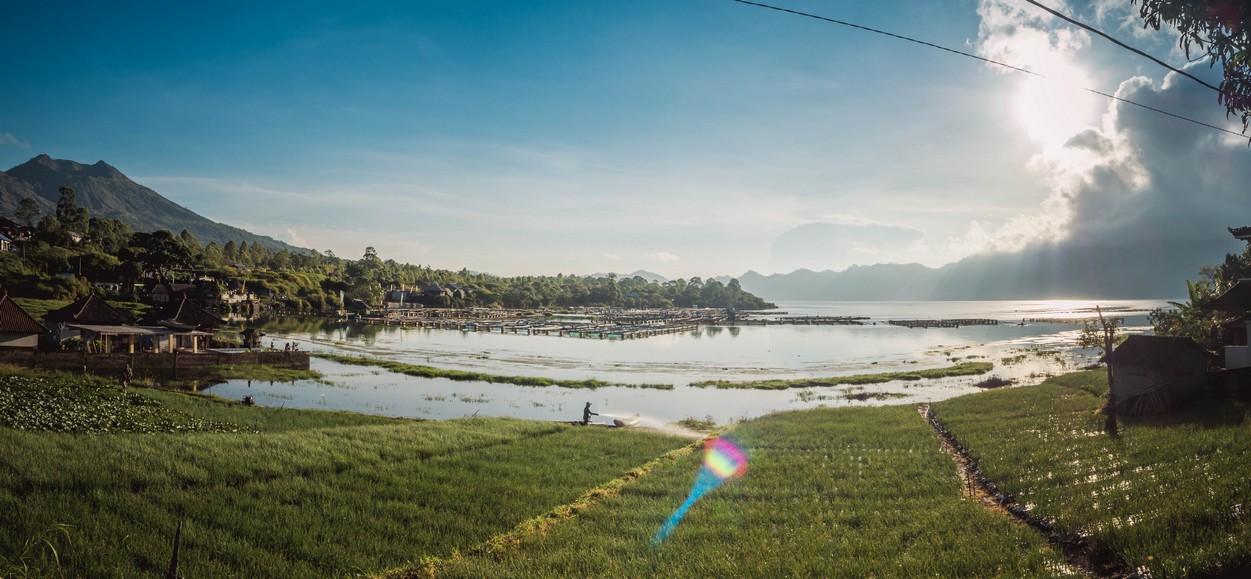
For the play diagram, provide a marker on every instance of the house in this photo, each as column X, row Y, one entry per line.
column 433, row 290
column 6, row 244
column 401, row 299
column 1143, row 364
column 18, row 329
column 164, row 293
column 185, row 316
column 1235, row 333
column 104, row 328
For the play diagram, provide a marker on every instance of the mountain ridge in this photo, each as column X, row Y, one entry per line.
column 105, row 191
column 1043, row 271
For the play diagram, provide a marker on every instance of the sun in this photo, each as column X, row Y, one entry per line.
column 1055, row 108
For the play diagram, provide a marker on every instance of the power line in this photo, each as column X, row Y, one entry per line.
column 990, row 61
column 1123, row 45
column 892, row 35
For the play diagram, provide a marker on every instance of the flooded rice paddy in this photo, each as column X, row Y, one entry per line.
column 1024, row 352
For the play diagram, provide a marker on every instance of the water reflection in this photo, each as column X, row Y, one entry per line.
column 1026, row 353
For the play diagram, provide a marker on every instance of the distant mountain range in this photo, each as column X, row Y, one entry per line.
column 106, row 192
column 1050, row 271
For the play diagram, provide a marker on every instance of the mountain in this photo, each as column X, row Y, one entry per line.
column 106, row 192
column 1045, row 271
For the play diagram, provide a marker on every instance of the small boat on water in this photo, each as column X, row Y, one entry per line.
column 626, row 422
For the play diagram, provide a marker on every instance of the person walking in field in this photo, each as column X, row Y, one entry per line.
column 587, row 414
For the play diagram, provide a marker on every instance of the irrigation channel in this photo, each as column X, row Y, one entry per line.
column 1080, row 551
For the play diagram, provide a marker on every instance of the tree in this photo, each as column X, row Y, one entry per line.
column 1102, row 336
column 1219, row 28
column 1191, row 318
column 27, row 210
column 157, row 252
column 71, row 216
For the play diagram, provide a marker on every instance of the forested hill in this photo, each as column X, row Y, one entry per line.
column 105, row 192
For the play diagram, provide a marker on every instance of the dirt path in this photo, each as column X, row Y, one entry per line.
column 1081, row 553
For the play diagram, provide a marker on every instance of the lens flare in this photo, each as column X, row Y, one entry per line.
column 722, row 461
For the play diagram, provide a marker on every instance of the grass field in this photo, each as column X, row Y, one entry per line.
column 829, row 493
column 93, row 482
column 270, row 492
column 1171, row 498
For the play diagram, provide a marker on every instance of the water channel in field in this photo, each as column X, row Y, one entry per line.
column 1024, row 351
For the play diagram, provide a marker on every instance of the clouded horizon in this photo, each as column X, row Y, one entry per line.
column 689, row 139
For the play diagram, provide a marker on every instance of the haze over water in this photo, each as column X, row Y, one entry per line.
column 1026, row 353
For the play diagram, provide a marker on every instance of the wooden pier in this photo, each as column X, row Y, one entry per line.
column 943, row 323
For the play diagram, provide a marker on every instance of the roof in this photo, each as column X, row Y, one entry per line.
column 136, row 330
column 15, row 320
column 185, row 312
column 89, row 310
column 1235, row 299
column 1154, row 351
column 173, row 288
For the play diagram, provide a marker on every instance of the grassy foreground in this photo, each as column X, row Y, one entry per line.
column 845, row 492
column 462, row 375
column 830, row 492
column 271, row 492
column 962, row 369
column 1171, row 498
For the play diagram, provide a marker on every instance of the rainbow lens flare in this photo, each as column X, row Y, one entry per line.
column 722, row 460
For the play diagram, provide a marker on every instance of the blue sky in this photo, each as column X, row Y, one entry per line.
column 703, row 137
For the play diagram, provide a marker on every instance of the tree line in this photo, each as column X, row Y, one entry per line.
column 59, row 255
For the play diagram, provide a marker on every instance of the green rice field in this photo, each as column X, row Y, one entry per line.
column 848, row 492
column 1170, row 497
column 279, row 493
column 94, row 482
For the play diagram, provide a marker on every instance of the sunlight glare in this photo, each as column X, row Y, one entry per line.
column 1055, row 108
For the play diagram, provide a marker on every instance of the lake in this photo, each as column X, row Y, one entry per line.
column 1025, row 352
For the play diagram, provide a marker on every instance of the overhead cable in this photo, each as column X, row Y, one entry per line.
column 990, row 61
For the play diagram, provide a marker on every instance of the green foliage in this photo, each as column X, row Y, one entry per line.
column 1222, row 31
column 1168, row 497
column 1190, row 319
column 961, row 369
column 65, row 404
column 302, row 494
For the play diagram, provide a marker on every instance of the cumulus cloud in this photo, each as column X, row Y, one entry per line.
column 1021, row 35
column 1139, row 181
column 664, row 256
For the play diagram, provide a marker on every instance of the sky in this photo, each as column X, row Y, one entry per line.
column 694, row 138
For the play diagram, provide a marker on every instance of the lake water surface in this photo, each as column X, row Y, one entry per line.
column 1024, row 352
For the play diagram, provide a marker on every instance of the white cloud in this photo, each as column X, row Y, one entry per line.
column 1137, row 178
column 9, row 139
column 664, row 256
column 611, row 256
